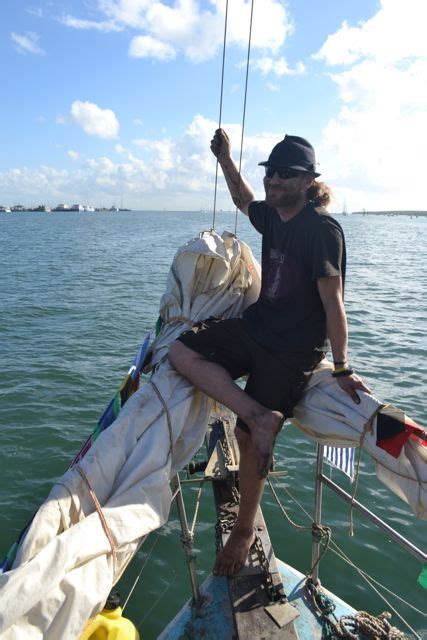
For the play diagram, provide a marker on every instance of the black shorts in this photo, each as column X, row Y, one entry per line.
column 275, row 381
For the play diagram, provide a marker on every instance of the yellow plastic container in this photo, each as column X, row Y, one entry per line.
column 110, row 625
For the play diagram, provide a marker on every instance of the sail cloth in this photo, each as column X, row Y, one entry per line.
column 65, row 565
column 100, row 511
column 397, row 445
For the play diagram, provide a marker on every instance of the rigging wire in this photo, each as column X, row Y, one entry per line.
column 132, row 589
column 140, row 573
column 363, row 574
column 220, row 109
column 196, row 510
column 244, row 109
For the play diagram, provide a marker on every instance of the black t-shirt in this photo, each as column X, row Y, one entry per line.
column 289, row 315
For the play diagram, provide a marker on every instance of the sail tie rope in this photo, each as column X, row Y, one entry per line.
column 166, row 410
column 367, row 428
column 102, row 518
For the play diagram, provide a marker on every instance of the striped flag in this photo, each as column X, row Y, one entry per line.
column 341, row 458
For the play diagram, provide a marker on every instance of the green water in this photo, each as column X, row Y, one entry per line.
column 78, row 292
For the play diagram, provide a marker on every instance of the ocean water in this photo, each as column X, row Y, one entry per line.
column 78, row 292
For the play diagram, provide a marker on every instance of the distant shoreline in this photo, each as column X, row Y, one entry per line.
column 390, row 213
column 411, row 214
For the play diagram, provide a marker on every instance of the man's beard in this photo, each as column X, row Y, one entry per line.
column 282, row 199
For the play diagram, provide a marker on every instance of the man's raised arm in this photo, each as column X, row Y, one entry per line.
column 241, row 193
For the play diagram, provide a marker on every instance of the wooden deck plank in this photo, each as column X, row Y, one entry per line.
column 248, row 593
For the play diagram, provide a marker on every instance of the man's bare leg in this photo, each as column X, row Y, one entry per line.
column 215, row 381
column 236, row 549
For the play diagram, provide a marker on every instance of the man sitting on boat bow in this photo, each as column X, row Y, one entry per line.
column 282, row 337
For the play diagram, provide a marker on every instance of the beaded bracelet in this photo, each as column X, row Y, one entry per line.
column 339, row 373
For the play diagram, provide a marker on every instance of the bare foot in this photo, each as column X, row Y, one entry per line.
column 264, row 429
column 235, row 552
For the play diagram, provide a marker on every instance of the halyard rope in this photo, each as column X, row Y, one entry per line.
column 101, row 516
column 220, row 108
column 244, row 110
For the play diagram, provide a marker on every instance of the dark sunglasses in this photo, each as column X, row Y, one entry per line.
column 284, row 174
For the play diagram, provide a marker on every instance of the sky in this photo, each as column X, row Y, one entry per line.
column 115, row 101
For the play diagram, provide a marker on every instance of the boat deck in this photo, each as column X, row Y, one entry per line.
column 215, row 619
column 267, row 598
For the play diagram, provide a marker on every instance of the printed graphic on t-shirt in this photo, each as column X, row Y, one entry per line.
column 280, row 275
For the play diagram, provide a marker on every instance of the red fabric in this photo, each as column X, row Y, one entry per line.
column 394, row 445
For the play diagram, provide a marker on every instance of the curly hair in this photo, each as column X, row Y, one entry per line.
column 320, row 194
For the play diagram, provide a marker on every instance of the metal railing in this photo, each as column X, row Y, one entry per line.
column 321, row 480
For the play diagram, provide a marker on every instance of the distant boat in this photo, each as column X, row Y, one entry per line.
column 62, row 207
column 113, row 208
column 4, row 209
column 88, row 208
column 344, row 209
column 77, row 207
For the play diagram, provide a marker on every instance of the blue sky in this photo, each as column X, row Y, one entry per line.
column 110, row 101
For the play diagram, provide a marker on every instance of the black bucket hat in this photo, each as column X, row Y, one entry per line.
column 293, row 152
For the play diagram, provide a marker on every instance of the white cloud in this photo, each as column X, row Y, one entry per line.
column 35, row 11
column 77, row 23
column 74, row 155
column 395, row 33
column 148, row 47
column 159, row 173
column 277, row 66
column 378, row 138
column 94, row 120
column 127, row 12
column 27, row 43
column 191, row 27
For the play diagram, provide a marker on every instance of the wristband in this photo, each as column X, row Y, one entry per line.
column 344, row 362
column 339, row 373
